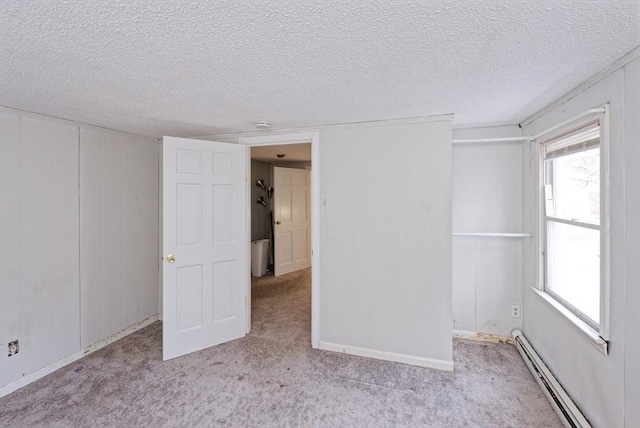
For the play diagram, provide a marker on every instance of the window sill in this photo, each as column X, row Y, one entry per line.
column 592, row 335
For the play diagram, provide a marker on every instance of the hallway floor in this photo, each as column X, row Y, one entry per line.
column 272, row 378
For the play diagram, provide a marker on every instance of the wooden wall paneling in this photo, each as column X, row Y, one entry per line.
column 498, row 284
column 66, row 241
column 112, row 221
column 37, row 244
column 632, row 244
column 149, row 158
column 10, row 246
column 78, row 238
column 487, row 272
column 464, row 283
column 91, row 236
column 119, row 232
column 597, row 385
column 131, row 251
column 464, row 248
column 610, row 394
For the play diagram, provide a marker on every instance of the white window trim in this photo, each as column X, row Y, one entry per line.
column 591, row 334
column 597, row 337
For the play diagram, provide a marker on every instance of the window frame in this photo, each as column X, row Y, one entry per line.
column 601, row 329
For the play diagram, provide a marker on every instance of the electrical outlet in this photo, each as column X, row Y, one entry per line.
column 14, row 348
column 515, row 311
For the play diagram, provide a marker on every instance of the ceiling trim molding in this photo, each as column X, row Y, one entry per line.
column 366, row 124
column 485, row 125
column 278, row 139
column 622, row 62
column 24, row 113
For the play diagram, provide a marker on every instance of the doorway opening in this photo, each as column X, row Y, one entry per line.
column 206, row 272
column 312, row 138
column 279, row 208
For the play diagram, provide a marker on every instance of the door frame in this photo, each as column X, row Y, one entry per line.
column 312, row 138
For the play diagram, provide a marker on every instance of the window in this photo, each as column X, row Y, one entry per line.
column 573, row 222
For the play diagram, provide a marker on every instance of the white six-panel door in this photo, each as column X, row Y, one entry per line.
column 292, row 218
column 204, row 238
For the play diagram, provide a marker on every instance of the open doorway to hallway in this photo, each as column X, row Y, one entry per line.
column 280, row 205
column 280, row 209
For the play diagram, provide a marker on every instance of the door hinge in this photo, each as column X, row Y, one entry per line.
column 246, row 178
column 245, row 301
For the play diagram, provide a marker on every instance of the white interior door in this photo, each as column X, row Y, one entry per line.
column 292, row 218
column 204, row 210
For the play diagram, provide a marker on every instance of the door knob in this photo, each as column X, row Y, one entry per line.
column 171, row 258
column 278, row 222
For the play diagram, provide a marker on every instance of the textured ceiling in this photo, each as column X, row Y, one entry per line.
column 198, row 67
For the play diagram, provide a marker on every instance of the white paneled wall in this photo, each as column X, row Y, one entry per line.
column 39, row 298
column 605, row 387
column 78, row 238
column 49, row 235
column 487, row 271
column 10, row 246
column 631, row 249
column 118, row 232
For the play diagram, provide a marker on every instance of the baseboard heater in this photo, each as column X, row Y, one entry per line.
column 569, row 413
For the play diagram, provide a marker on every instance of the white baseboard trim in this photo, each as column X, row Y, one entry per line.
column 32, row 377
column 388, row 356
column 482, row 337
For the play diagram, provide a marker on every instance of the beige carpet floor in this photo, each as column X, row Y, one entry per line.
column 272, row 378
